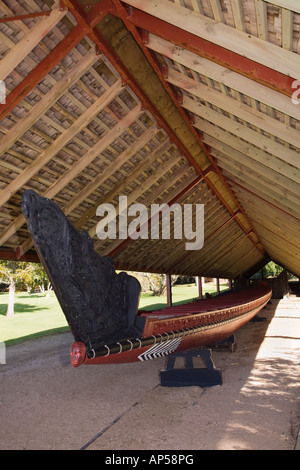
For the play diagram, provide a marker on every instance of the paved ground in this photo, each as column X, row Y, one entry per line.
column 47, row 404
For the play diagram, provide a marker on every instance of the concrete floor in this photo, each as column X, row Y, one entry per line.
column 47, row 404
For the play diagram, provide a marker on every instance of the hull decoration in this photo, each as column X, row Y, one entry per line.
column 101, row 305
column 186, row 327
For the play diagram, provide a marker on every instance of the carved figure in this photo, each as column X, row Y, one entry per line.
column 99, row 304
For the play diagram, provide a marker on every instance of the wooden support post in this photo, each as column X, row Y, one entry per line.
column 169, row 290
column 199, row 282
column 218, row 285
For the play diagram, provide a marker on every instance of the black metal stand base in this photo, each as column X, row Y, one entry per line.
column 189, row 376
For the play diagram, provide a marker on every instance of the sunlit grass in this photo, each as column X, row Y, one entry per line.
column 34, row 315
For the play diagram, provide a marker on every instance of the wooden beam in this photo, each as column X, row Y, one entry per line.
column 224, row 76
column 244, row 220
column 239, row 42
column 204, row 113
column 278, row 207
column 238, row 14
column 218, row 138
column 128, row 78
column 292, row 5
column 60, row 142
column 287, row 28
column 197, row 6
column 213, row 52
column 242, row 169
column 114, row 249
column 217, row 10
column 8, row 19
column 232, row 106
column 76, row 168
column 261, row 19
column 48, row 100
column 29, row 41
column 199, row 284
column 42, row 69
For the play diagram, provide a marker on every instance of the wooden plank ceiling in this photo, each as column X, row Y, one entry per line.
column 185, row 101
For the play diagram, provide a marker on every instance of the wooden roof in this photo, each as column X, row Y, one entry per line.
column 185, row 101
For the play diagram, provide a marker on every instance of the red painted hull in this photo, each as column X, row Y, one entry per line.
column 186, row 327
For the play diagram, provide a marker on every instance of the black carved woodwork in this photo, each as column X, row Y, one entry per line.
column 99, row 304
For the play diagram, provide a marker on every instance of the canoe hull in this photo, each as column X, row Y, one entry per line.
column 164, row 336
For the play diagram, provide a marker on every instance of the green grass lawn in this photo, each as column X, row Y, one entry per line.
column 34, row 315
column 37, row 315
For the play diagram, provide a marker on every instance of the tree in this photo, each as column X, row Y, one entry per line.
column 40, row 279
column 157, row 283
column 272, row 269
column 14, row 273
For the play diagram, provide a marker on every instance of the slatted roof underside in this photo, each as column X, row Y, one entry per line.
column 112, row 98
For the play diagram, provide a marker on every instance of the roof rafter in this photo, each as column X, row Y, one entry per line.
column 212, row 47
column 120, row 245
column 224, row 76
column 47, row 101
column 207, row 122
column 219, row 33
column 234, row 107
column 29, row 41
column 41, row 70
column 83, row 162
column 123, row 14
column 59, row 143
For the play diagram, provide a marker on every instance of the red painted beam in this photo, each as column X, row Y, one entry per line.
column 86, row 20
column 93, row 13
column 187, row 117
column 42, row 69
column 105, row 47
column 13, row 255
column 258, row 72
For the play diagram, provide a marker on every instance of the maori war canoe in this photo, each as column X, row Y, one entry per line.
column 101, row 306
column 180, row 328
